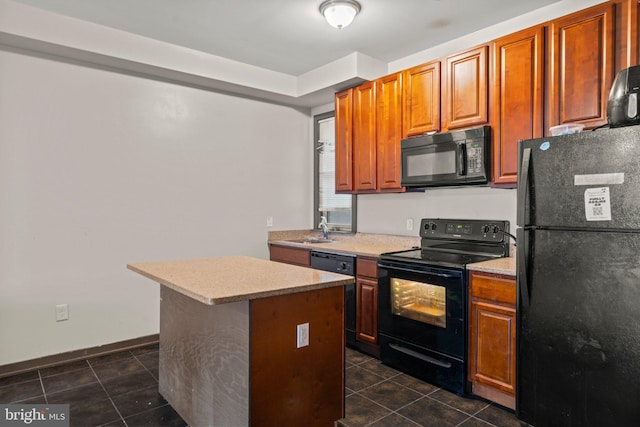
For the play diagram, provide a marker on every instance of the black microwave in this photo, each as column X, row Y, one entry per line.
column 450, row 158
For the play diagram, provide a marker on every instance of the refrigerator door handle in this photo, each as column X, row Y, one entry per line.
column 523, row 266
column 523, row 187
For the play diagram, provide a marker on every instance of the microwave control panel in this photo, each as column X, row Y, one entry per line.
column 475, row 158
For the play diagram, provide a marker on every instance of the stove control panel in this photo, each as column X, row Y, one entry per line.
column 465, row 229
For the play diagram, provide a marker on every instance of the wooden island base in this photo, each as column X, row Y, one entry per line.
column 236, row 364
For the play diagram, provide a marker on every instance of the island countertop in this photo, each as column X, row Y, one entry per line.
column 222, row 280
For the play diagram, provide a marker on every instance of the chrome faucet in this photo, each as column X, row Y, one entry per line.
column 325, row 228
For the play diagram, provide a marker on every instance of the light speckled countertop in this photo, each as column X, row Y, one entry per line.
column 236, row 278
column 372, row 245
column 506, row 266
column 362, row 244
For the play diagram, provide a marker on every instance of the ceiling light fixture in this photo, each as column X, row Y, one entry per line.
column 339, row 13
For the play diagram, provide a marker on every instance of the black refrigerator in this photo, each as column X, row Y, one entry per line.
column 578, row 280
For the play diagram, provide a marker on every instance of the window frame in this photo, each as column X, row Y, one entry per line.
column 316, row 179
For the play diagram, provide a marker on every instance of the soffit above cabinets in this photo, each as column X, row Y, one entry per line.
column 286, row 40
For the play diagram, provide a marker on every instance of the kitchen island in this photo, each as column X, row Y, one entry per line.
column 232, row 341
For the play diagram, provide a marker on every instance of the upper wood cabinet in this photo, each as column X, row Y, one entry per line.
column 421, row 99
column 364, row 138
column 344, row 141
column 368, row 134
column 518, row 108
column 555, row 73
column 626, row 15
column 582, row 66
column 466, row 92
column 389, row 131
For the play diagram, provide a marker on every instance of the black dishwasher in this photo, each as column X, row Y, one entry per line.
column 343, row 264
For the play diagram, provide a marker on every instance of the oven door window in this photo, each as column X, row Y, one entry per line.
column 419, row 301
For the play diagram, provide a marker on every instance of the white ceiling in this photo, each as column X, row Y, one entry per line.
column 290, row 36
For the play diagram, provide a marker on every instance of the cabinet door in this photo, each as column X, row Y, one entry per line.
column 421, row 99
column 518, row 83
column 389, row 131
column 367, row 310
column 492, row 337
column 364, row 137
column 626, row 13
column 493, row 356
column 466, row 89
column 344, row 141
column 582, row 66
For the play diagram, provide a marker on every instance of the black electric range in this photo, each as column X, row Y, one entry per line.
column 422, row 298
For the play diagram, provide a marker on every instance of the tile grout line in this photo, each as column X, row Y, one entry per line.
column 146, row 369
column 44, row 393
column 107, row 393
column 393, row 411
column 478, row 419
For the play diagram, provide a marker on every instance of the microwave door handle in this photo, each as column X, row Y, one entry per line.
column 462, row 159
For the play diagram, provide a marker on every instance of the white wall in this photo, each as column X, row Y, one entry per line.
column 99, row 169
column 388, row 213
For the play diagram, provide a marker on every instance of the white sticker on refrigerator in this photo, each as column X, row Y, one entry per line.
column 597, row 204
column 599, row 179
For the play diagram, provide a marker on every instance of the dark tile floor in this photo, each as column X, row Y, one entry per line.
column 380, row 396
column 121, row 389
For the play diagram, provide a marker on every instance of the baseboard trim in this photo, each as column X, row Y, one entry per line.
column 72, row 356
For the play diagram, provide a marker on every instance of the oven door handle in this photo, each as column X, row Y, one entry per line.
column 427, row 271
column 421, row 356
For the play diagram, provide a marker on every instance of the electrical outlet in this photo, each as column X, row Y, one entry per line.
column 302, row 335
column 409, row 224
column 269, row 221
column 62, row 312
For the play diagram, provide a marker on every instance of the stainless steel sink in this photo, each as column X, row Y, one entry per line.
column 309, row 240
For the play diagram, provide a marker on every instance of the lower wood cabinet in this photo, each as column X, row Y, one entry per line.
column 492, row 337
column 290, row 255
column 367, row 304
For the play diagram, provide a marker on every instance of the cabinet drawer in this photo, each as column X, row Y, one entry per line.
column 493, row 287
column 367, row 267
